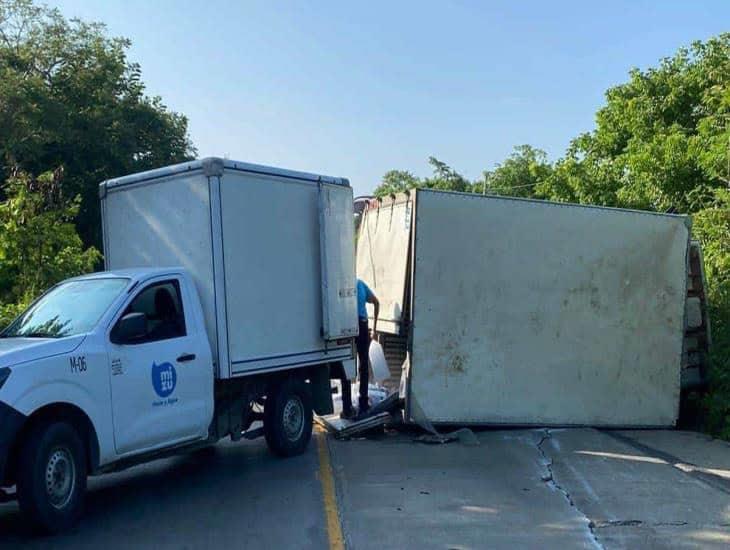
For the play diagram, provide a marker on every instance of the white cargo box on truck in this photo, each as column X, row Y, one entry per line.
column 270, row 251
column 529, row 312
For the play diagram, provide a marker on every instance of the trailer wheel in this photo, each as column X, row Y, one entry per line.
column 52, row 476
column 288, row 417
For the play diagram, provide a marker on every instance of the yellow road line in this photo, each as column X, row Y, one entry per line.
column 334, row 530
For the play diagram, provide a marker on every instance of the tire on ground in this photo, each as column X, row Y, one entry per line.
column 51, row 479
column 288, row 417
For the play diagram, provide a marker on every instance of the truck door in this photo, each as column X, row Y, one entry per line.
column 337, row 261
column 161, row 386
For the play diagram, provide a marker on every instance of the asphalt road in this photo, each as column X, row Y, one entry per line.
column 577, row 488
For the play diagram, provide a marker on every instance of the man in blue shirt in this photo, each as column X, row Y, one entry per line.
column 365, row 296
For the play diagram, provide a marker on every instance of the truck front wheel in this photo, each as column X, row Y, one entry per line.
column 288, row 417
column 52, row 476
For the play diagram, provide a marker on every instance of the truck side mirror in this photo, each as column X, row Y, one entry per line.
column 131, row 327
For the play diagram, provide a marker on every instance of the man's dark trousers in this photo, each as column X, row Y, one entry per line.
column 363, row 346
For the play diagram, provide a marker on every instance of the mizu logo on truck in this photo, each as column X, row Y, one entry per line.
column 164, row 380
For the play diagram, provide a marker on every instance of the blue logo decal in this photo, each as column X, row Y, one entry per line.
column 164, row 379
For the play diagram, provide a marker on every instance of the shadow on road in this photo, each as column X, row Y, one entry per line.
column 210, row 496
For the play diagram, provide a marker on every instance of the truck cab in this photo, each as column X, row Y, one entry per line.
column 99, row 369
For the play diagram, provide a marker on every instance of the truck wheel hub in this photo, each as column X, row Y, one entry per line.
column 60, row 478
column 293, row 418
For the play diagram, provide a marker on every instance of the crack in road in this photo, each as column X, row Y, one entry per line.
column 594, row 526
column 601, row 524
column 550, row 480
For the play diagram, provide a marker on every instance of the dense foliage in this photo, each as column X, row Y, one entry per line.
column 70, row 98
column 661, row 143
column 73, row 112
column 712, row 228
column 39, row 244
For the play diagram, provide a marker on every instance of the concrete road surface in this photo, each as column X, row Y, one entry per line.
column 578, row 488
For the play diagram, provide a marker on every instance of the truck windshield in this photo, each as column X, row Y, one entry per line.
column 67, row 310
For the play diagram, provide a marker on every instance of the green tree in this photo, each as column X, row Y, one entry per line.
column 661, row 140
column 69, row 97
column 444, row 177
column 396, row 181
column 39, row 244
column 522, row 175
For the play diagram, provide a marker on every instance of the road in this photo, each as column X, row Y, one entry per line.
column 577, row 488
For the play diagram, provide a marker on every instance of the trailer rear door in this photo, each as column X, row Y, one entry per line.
column 337, row 233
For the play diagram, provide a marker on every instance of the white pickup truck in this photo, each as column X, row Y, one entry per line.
column 116, row 368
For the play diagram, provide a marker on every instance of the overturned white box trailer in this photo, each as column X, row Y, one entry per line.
column 515, row 311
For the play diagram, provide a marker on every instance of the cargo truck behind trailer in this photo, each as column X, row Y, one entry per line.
column 523, row 312
column 229, row 290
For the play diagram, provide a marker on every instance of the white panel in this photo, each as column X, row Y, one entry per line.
column 382, row 258
column 272, row 272
column 535, row 313
column 249, row 236
column 223, row 364
column 337, row 235
column 164, row 223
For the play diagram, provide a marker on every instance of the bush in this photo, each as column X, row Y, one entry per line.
column 712, row 228
column 39, row 245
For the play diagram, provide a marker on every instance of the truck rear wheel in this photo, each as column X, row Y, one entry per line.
column 52, row 476
column 288, row 417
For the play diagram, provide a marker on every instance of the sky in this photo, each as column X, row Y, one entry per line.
column 355, row 89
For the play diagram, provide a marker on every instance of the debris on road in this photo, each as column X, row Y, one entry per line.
column 385, row 410
column 376, row 394
column 391, row 404
column 343, row 428
column 463, row 435
column 388, row 413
